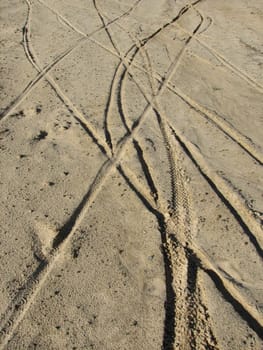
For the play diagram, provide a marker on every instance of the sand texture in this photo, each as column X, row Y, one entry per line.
column 131, row 180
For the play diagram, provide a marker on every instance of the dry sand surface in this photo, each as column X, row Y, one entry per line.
column 131, row 174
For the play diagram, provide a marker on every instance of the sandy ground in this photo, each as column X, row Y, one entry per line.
column 131, row 174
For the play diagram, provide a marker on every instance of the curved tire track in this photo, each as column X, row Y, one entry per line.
column 190, row 254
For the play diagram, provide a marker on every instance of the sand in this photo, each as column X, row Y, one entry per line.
column 131, row 174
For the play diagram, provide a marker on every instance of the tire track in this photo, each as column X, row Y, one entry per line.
column 199, row 258
column 136, row 144
column 115, row 84
column 17, row 310
column 16, row 313
column 63, row 19
column 239, row 208
column 254, row 326
column 120, row 105
column 249, row 214
column 105, row 27
column 254, row 320
column 161, row 124
column 243, row 141
column 180, row 214
column 109, row 103
column 32, row 84
column 169, row 322
column 248, row 313
column 69, row 105
column 139, row 46
column 176, row 315
column 236, row 136
column 44, row 274
column 64, row 99
column 233, row 201
column 180, row 304
column 212, row 337
column 240, row 139
column 235, row 69
column 42, row 73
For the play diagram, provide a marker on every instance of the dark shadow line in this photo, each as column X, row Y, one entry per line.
column 252, row 323
column 219, row 127
column 191, row 293
column 69, row 224
column 119, row 99
column 89, row 132
column 146, row 170
column 136, row 144
column 106, row 111
column 233, row 211
column 169, row 322
column 238, row 307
